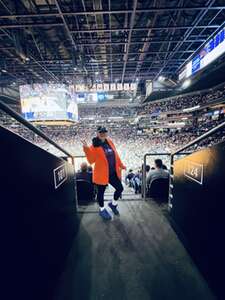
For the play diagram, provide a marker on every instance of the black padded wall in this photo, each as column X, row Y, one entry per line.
column 38, row 214
column 198, row 208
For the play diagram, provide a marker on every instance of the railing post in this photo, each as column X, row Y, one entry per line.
column 144, row 178
column 170, row 195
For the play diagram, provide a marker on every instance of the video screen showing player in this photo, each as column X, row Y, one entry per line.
column 48, row 102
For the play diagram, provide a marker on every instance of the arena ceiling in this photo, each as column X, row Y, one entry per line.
column 101, row 40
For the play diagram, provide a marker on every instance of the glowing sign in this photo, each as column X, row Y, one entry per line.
column 194, row 171
column 209, row 52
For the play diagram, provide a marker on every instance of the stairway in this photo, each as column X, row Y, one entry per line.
column 134, row 256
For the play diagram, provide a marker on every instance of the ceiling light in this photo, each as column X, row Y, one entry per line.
column 161, row 78
column 4, row 71
column 186, row 83
column 27, row 59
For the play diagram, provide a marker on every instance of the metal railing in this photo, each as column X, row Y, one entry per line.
column 179, row 152
column 27, row 124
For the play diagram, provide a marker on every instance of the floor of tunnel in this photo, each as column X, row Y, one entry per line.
column 135, row 256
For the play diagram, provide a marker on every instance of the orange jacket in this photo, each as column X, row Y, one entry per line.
column 96, row 155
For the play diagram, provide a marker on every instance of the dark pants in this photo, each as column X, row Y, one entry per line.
column 116, row 183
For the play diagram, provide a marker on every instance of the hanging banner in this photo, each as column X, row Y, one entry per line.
column 119, row 86
column 112, row 87
column 105, row 87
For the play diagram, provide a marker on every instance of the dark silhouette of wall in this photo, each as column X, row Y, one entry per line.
column 39, row 220
column 199, row 210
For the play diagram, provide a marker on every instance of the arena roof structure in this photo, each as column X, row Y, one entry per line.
column 101, row 40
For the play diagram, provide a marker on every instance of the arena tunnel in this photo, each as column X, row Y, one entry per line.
column 56, row 249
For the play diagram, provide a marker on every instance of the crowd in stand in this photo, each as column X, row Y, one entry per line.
column 182, row 102
column 133, row 138
column 107, row 111
column 130, row 144
column 166, row 105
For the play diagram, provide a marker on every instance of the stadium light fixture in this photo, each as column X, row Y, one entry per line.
column 186, row 83
column 191, row 108
column 161, row 78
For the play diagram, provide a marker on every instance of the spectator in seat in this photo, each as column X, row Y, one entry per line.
column 159, row 172
column 129, row 177
column 137, row 182
column 147, row 169
column 84, row 173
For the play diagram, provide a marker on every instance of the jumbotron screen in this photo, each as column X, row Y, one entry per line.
column 214, row 48
column 40, row 102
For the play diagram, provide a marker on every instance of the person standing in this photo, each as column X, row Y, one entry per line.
column 107, row 169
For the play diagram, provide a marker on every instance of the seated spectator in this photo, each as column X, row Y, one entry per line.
column 159, row 172
column 84, row 173
column 137, row 179
column 129, row 177
column 147, row 169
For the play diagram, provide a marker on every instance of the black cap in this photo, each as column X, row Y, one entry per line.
column 101, row 129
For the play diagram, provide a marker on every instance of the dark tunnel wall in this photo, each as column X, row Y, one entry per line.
column 198, row 208
column 38, row 213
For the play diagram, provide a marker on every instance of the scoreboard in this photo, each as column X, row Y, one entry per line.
column 209, row 52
